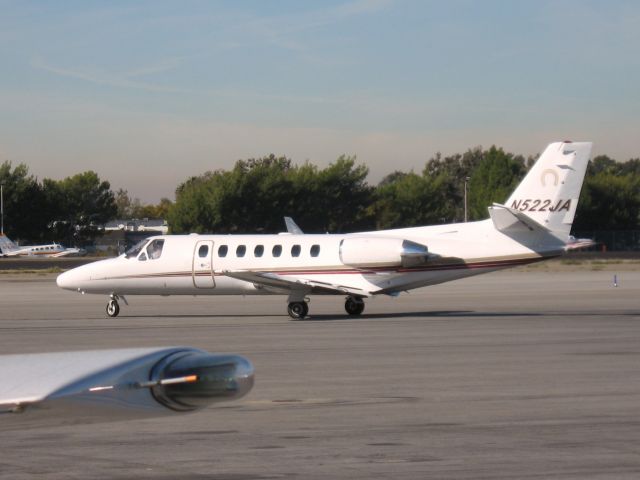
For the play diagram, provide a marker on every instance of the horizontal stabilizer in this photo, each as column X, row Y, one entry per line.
column 579, row 243
column 507, row 220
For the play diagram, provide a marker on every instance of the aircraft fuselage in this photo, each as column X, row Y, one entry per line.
column 202, row 264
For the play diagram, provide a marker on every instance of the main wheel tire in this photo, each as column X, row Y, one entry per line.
column 113, row 309
column 298, row 310
column 354, row 306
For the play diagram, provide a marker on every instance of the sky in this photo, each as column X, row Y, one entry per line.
column 149, row 93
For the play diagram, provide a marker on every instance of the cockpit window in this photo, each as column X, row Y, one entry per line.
column 154, row 250
column 136, row 249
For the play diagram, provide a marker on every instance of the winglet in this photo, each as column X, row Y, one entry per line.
column 292, row 227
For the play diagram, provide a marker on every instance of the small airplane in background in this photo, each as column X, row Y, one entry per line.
column 68, row 388
column 10, row 249
column 533, row 225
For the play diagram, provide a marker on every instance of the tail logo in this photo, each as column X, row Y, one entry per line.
column 545, row 174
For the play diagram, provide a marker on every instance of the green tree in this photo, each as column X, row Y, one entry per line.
column 123, row 204
column 25, row 208
column 194, row 210
column 608, row 201
column 83, row 204
column 342, row 196
column 454, row 170
column 412, row 200
column 128, row 208
column 257, row 193
column 493, row 180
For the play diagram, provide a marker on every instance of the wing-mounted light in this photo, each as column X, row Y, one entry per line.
column 192, row 380
column 373, row 251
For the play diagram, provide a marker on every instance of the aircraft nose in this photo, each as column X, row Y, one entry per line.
column 68, row 280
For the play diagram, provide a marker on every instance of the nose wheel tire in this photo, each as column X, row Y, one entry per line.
column 354, row 305
column 298, row 310
column 113, row 309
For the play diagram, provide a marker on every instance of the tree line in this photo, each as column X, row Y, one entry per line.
column 256, row 193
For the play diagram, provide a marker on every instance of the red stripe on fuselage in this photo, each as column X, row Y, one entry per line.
column 351, row 271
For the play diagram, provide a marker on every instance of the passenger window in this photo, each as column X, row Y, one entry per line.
column 295, row 251
column 203, row 251
column 241, row 250
column 315, row 250
column 154, row 250
column 143, row 257
column 222, row 250
column 277, row 250
column 258, row 251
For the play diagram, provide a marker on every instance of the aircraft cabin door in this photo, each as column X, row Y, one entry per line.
column 203, row 265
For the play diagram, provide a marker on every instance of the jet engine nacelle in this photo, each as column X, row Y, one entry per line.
column 368, row 252
column 109, row 385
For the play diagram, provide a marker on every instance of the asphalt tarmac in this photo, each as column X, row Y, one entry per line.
column 502, row 376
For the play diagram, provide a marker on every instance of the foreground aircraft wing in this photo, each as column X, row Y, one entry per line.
column 108, row 385
column 274, row 280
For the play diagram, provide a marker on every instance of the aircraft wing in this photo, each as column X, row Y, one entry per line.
column 66, row 252
column 274, row 280
column 108, row 385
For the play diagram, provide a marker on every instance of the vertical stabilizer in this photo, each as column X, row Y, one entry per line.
column 549, row 192
column 6, row 245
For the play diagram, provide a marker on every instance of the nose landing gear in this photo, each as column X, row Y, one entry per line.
column 113, row 308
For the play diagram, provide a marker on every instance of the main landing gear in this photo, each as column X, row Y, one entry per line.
column 354, row 305
column 298, row 309
column 113, row 308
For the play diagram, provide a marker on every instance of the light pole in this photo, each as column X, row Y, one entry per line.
column 466, row 216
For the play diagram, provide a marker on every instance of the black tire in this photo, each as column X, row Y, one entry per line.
column 354, row 306
column 113, row 309
column 298, row 310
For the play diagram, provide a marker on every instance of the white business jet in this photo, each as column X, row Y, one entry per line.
column 10, row 249
column 533, row 225
column 67, row 388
